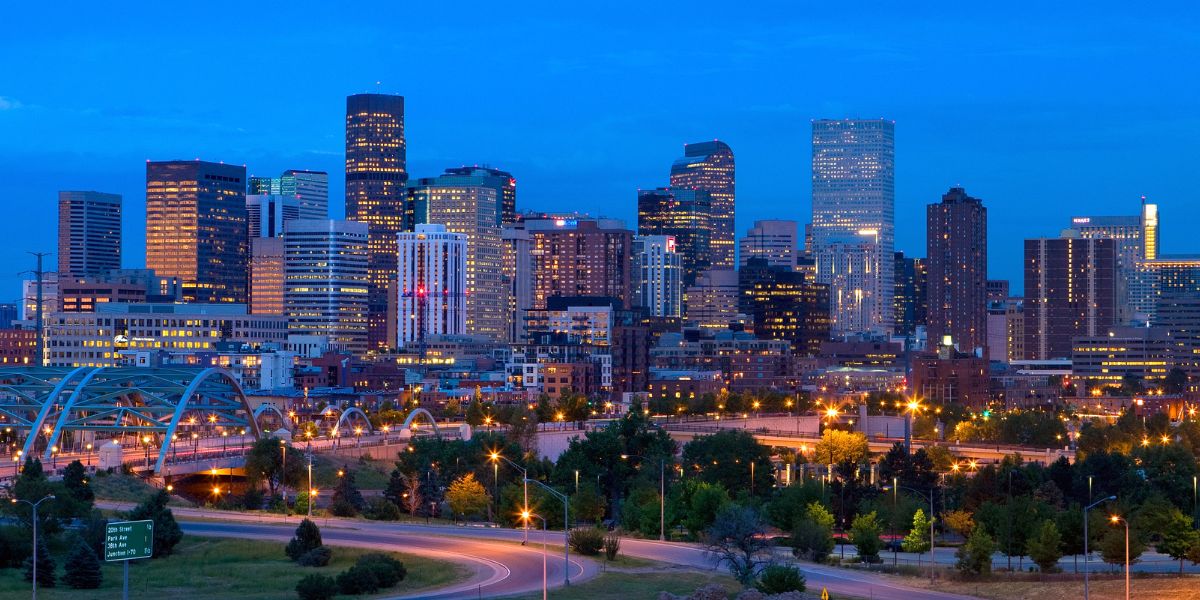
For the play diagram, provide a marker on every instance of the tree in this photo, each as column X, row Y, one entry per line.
column 705, row 504
column 813, row 535
column 264, row 462
column 76, row 482
column 975, row 556
column 864, row 534
column 307, row 537
column 82, row 568
column 838, row 446
column 396, row 487
column 45, row 566
column 959, row 521
column 467, row 496
column 724, row 458
column 1176, row 381
column 166, row 531
column 1045, row 546
column 347, row 501
column 475, row 414
column 587, row 504
column 1112, row 546
column 736, row 540
column 1178, row 537
column 917, row 540
column 787, row 508
column 412, row 494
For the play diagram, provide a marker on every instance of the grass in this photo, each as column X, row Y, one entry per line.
column 369, row 474
column 1107, row 588
column 625, row 586
column 118, row 487
column 228, row 569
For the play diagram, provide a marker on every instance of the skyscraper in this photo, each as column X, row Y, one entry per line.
column 501, row 181
column 775, row 241
column 712, row 303
column 309, row 188
column 432, row 285
column 658, row 278
column 709, row 167
column 196, row 228
column 784, row 306
column 853, row 199
column 517, row 269
column 325, row 289
column 956, row 246
column 472, row 210
column 1136, row 239
column 579, row 256
column 1069, row 292
column 910, row 298
column 267, row 213
column 686, row 215
column 89, row 233
column 376, row 171
column 267, row 216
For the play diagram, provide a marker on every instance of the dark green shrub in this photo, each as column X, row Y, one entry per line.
column 308, row 536
column 317, row 557
column 388, row 571
column 381, row 509
column 82, row 568
column 15, row 546
column 316, row 587
column 780, row 579
column 587, row 541
column 357, row 580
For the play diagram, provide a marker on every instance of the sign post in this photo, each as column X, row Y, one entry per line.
column 126, row 541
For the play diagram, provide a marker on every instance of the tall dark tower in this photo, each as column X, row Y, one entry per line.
column 376, row 172
column 708, row 167
column 956, row 242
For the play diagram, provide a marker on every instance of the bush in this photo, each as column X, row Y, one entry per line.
column 253, row 498
column 812, row 540
column 382, row 509
column 612, row 545
column 317, row 557
column 587, row 541
column 975, row 556
column 45, row 566
column 308, row 536
column 316, row 587
column 82, row 568
column 357, row 580
column 342, row 508
column 14, row 546
column 388, row 571
column 780, row 579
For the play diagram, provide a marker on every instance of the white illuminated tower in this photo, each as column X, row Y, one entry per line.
column 432, row 285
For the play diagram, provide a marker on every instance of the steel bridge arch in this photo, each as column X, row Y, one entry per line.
column 30, row 377
column 268, row 407
column 428, row 416
column 349, row 412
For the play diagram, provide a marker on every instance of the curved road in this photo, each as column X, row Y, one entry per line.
column 501, row 567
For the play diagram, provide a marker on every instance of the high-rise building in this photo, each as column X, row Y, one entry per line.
column 712, row 303
column 853, row 204
column 89, row 233
column 657, row 272
column 309, row 188
column 686, row 215
column 325, row 282
column 997, row 290
column 784, row 306
column 709, row 167
column 518, row 280
column 267, row 213
column 910, row 298
column 1179, row 315
column 774, row 240
column 1166, row 275
column 501, row 181
column 376, row 171
column 580, row 256
column 1136, row 239
column 1070, row 291
column 956, row 246
column 473, row 211
column 196, row 228
column 432, row 285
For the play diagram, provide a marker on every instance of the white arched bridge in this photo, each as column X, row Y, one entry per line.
column 161, row 408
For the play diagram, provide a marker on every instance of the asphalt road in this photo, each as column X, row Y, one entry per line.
column 500, row 567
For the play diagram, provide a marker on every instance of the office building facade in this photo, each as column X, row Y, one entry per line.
column 956, row 246
column 89, row 233
column 775, row 241
column 684, row 214
column 326, row 282
column 658, row 273
column 712, row 302
column 376, row 172
column 432, row 285
column 501, row 181
column 580, row 256
column 1070, row 291
column 309, row 188
column 709, row 167
column 1136, row 240
column 196, row 228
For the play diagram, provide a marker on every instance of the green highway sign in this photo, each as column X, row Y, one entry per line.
column 127, row 540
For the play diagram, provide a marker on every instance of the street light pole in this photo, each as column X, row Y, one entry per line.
column 34, row 506
column 1115, row 520
column 566, row 521
column 526, row 516
column 1087, row 555
column 662, row 499
column 495, row 456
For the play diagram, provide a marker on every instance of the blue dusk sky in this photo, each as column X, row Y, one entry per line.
column 1043, row 110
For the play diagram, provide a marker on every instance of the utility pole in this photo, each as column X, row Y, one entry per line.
column 39, row 327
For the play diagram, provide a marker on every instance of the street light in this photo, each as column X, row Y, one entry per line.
column 1116, row 519
column 283, row 476
column 566, row 525
column 1086, row 554
column 34, row 506
column 496, row 456
column 525, row 516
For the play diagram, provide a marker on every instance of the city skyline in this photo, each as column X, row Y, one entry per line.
column 978, row 138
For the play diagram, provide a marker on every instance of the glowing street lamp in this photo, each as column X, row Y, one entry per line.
column 1117, row 519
